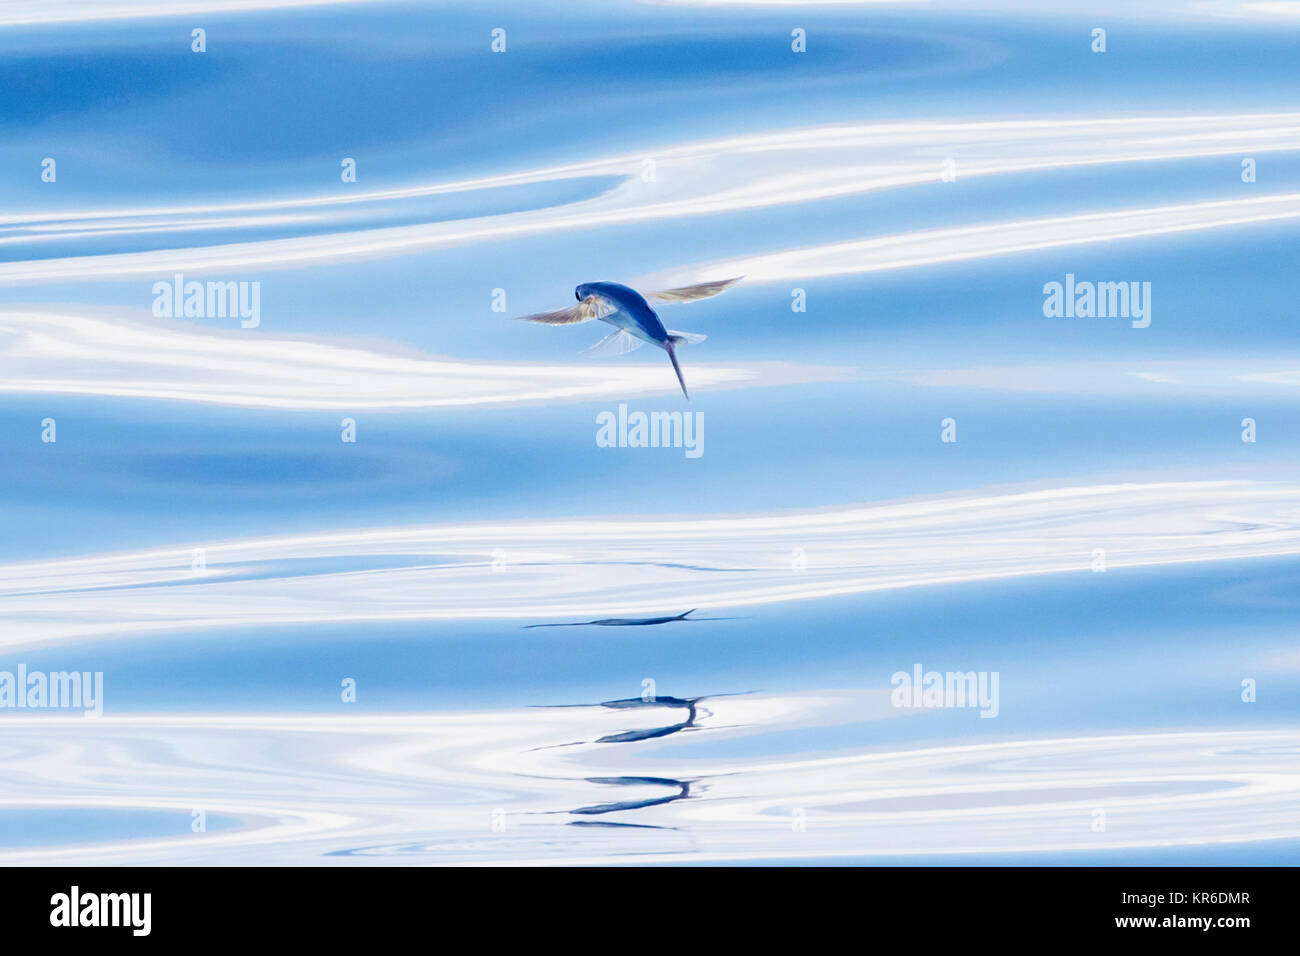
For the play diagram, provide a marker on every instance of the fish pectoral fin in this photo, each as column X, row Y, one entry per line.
column 686, row 338
column 689, row 293
column 618, row 342
column 592, row 307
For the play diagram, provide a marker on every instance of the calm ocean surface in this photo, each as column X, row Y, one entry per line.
column 301, row 543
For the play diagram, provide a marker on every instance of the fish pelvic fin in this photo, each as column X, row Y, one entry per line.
column 685, row 338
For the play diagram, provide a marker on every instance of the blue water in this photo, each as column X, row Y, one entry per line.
column 476, row 499
column 38, row 828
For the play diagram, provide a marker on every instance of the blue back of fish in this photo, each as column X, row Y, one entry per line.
column 633, row 304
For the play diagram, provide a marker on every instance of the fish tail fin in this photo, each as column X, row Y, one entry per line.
column 672, row 357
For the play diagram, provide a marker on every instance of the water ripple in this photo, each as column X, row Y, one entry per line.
column 478, row 788
column 581, row 569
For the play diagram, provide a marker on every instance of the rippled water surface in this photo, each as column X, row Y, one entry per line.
column 318, row 650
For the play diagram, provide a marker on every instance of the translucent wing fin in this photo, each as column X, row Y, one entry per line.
column 689, row 293
column 618, row 342
column 592, row 307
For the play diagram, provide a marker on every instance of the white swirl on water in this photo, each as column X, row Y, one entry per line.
column 429, row 788
column 35, row 12
column 595, row 568
column 121, row 355
column 709, row 177
column 956, row 244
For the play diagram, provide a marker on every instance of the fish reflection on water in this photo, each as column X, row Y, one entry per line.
column 622, row 621
column 689, row 704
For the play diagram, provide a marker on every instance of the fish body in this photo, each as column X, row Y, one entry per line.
column 633, row 316
column 632, row 313
column 635, row 322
